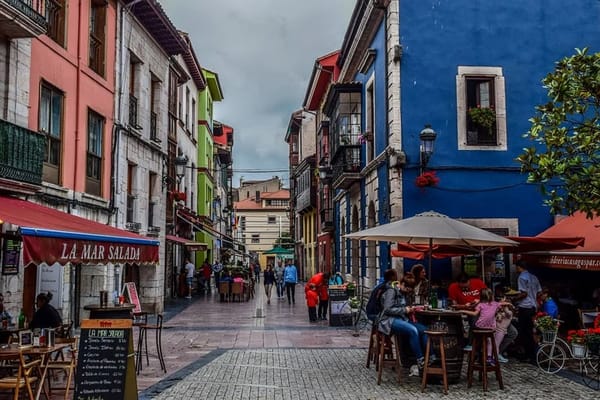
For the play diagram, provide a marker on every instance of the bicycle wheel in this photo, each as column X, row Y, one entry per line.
column 551, row 358
column 591, row 373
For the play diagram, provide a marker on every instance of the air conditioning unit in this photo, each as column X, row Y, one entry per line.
column 133, row 226
column 154, row 229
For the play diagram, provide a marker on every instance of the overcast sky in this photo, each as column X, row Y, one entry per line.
column 263, row 51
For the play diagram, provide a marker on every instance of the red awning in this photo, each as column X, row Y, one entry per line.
column 51, row 236
column 585, row 256
column 191, row 245
column 526, row 244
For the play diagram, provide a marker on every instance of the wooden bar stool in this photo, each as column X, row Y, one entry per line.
column 480, row 340
column 388, row 354
column 373, row 346
column 435, row 371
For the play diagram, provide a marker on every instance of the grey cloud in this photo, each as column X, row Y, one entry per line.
column 263, row 51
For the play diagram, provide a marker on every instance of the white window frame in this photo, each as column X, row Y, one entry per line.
column 500, row 105
column 370, row 97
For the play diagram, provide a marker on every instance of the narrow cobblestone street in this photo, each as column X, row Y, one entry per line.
column 219, row 350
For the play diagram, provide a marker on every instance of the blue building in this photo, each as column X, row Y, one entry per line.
column 472, row 70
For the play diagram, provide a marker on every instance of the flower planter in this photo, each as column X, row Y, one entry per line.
column 578, row 350
column 548, row 336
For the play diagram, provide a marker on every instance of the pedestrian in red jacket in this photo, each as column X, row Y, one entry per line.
column 312, row 299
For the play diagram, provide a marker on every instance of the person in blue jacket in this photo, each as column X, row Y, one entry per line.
column 290, row 279
column 548, row 305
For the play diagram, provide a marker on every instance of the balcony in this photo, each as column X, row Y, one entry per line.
column 306, row 200
column 22, row 18
column 327, row 220
column 153, row 128
column 21, row 154
column 133, row 111
column 346, row 167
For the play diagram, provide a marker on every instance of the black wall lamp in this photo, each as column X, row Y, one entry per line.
column 324, row 173
column 180, row 165
column 427, row 138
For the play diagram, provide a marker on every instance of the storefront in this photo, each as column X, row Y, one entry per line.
column 45, row 249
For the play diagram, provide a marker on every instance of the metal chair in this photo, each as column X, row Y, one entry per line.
column 143, row 343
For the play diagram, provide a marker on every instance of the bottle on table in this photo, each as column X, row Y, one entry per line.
column 22, row 320
column 433, row 300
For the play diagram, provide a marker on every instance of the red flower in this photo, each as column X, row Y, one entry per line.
column 428, row 178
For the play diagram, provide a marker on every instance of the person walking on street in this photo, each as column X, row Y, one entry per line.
column 206, row 274
column 217, row 268
column 268, row 281
column 190, row 269
column 279, row 279
column 257, row 272
column 529, row 287
column 290, row 278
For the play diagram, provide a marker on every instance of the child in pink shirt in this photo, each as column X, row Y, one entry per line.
column 486, row 313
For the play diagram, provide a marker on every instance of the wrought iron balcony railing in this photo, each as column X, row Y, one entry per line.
column 346, row 166
column 23, row 18
column 21, row 153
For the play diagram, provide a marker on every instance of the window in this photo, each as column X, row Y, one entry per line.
column 193, row 120
column 154, row 92
column 133, row 100
column 255, row 238
column 152, row 177
column 130, row 193
column 50, row 124
column 272, row 220
column 481, row 87
column 172, row 105
column 187, row 108
column 97, row 35
column 94, row 153
column 56, row 12
column 370, row 121
column 243, row 223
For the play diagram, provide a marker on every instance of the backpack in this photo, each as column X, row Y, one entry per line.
column 374, row 307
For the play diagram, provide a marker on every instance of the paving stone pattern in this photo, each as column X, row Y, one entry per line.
column 219, row 350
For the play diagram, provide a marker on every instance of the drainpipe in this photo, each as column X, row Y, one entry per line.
column 6, row 79
column 77, row 101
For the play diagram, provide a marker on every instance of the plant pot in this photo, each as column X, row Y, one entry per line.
column 594, row 348
column 548, row 336
column 578, row 350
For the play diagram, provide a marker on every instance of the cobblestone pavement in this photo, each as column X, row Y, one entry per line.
column 219, row 350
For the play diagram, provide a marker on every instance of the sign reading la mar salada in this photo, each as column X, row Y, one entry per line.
column 51, row 250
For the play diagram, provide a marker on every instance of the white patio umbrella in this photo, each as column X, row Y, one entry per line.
column 431, row 228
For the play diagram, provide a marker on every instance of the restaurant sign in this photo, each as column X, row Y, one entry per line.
column 61, row 250
column 577, row 262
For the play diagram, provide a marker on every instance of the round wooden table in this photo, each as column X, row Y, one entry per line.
column 123, row 311
column 454, row 340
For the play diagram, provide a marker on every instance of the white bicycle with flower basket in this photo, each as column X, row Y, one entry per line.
column 554, row 351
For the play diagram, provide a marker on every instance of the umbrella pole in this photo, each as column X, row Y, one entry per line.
column 429, row 256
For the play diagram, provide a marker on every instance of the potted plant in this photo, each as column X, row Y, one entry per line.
column 577, row 340
column 354, row 303
column 350, row 288
column 483, row 116
column 547, row 325
column 592, row 340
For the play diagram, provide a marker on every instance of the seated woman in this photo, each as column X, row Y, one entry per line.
column 46, row 316
column 397, row 317
column 548, row 305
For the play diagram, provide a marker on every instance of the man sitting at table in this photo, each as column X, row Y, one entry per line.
column 397, row 317
column 464, row 293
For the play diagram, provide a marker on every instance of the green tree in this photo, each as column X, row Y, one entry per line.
column 285, row 241
column 566, row 158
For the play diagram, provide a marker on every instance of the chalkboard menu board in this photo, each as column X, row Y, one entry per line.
column 105, row 361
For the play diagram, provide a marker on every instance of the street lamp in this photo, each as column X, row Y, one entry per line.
column 180, row 164
column 427, row 137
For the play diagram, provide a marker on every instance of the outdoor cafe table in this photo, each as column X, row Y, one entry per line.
column 454, row 340
column 42, row 352
column 6, row 333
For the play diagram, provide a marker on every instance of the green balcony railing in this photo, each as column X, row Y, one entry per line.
column 21, row 153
